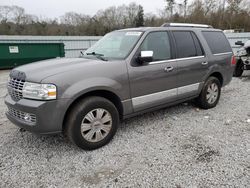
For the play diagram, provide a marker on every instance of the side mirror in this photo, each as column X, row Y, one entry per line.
column 240, row 43
column 146, row 56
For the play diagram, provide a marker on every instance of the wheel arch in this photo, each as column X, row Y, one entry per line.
column 99, row 93
column 217, row 75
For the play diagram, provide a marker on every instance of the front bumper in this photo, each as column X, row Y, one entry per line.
column 48, row 115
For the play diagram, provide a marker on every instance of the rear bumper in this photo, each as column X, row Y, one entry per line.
column 48, row 114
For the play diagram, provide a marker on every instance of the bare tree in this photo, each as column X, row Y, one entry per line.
column 185, row 3
column 209, row 6
column 170, row 7
column 14, row 20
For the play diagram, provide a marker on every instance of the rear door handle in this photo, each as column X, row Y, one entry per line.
column 204, row 63
column 168, row 69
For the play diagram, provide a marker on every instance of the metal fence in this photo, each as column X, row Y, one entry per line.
column 234, row 37
column 73, row 44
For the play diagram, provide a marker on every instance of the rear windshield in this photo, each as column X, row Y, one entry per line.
column 217, row 42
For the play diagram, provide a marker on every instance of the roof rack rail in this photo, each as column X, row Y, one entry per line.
column 186, row 25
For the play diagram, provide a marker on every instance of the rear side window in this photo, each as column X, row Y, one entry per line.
column 187, row 44
column 217, row 42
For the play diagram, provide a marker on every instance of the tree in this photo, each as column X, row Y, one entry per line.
column 234, row 5
column 185, row 2
column 209, row 6
column 140, row 17
column 15, row 21
column 170, row 6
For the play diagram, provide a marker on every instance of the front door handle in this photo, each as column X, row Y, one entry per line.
column 168, row 69
column 204, row 63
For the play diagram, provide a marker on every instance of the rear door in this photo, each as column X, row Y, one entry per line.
column 154, row 83
column 191, row 61
column 221, row 53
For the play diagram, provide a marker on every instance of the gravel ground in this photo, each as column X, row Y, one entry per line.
column 181, row 146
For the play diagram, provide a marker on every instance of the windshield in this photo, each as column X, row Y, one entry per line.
column 115, row 45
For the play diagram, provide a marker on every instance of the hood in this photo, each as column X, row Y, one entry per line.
column 247, row 44
column 36, row 72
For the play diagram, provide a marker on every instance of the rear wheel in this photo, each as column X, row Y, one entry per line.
column 92, row 123
column 238, row 69
column 210, row 93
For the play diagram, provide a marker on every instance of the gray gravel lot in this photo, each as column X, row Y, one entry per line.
column 181, row 146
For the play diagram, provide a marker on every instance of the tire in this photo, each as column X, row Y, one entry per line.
column 238, row 69
column 88, row 134
column 203, row 100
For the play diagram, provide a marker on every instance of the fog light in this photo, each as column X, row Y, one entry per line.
column 27, row 117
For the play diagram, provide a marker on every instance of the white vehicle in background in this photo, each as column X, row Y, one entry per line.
column 243, row 58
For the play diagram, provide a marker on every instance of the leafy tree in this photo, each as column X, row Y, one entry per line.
column 139, row 21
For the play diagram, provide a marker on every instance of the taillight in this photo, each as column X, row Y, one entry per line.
column 233, row 60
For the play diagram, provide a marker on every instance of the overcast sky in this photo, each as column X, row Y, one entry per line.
column 56, row 8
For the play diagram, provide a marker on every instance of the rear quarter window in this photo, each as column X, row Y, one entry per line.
column 217, row 42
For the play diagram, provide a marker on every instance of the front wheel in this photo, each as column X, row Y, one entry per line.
column 210, row 93
column 92, row 123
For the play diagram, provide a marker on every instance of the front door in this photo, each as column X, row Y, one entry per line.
column 154, row 83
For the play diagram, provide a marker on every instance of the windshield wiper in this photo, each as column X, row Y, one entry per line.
column 99, row 56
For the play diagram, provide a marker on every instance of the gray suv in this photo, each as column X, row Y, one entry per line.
column 127, row 72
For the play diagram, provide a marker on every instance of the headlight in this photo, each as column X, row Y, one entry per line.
column 39, row 91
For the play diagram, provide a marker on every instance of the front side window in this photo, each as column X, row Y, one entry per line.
column 185, row 44
column 158, row 42
column 115, row 45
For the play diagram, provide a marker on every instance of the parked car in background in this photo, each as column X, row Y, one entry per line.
column 243, row 58
column 127, row 72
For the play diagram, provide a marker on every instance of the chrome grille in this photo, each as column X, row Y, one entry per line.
column 22, row 115
column 15, row 88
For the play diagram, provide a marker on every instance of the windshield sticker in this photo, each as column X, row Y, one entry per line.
column 133, row 33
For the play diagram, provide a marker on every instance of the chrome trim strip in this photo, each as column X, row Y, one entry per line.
column 188, row 88
column 151, row 99
column 178, row 59
column 164, row 61
column 127, row 100
column 186, row 25
column 225, row 53
column 146, row 100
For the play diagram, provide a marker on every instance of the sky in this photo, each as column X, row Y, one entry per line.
column 56, row 8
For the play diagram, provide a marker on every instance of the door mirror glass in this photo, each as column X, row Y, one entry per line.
column 146, row 56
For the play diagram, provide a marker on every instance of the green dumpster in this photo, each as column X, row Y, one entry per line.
column 15, row 54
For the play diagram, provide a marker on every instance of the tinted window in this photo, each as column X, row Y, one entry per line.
column 185, row 44
column 199, row 50
column 217, row 42
column 158, row 42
